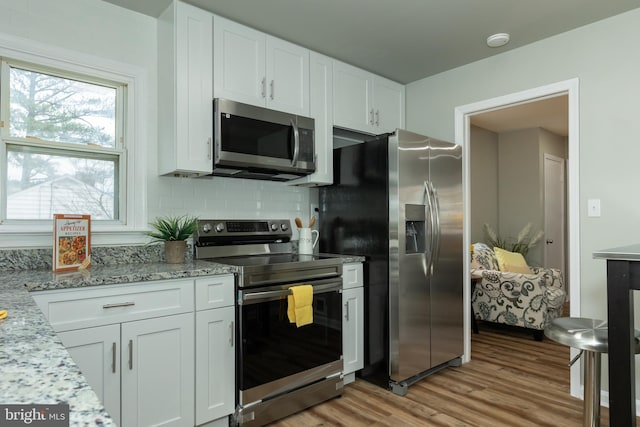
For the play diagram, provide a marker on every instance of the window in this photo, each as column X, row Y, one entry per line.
column 62, row 144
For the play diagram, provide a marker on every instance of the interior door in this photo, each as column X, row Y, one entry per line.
column 554, row 212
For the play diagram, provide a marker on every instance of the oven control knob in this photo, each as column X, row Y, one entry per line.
column 284, row 226
column 274, row 227
column 206, row 228
column 220, row 227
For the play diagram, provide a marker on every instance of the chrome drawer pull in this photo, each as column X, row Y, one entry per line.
column 346, row 306
column 231, row 334
column 130, row 354
column 113, row 358
column 119, row 304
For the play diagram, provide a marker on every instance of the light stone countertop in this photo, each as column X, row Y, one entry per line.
column 35, row 366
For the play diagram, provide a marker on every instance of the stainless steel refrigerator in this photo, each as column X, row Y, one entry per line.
column 397, row 200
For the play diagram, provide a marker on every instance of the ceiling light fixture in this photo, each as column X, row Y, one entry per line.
column 497, row 40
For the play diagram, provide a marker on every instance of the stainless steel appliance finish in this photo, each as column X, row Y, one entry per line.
column 397, row 200
column 280, row 369
column 255, row 142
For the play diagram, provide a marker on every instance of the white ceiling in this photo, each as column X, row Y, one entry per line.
column 551, row 114
column 404, row 40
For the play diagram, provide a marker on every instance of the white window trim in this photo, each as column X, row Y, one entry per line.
column 132, row 230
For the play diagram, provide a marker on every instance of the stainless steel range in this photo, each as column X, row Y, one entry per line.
column 280, row 368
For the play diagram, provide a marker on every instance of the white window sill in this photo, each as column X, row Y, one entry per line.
column 15, row 237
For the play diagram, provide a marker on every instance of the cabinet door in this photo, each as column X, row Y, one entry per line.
column 353, row 329
column 389, row 105
column 287, row 77
column 194, row 92
column 238, row 63
column 321, row 109
column 352, row 98
column 158, row 371
column 352, row 275
column 96, row 351
column 215, row 364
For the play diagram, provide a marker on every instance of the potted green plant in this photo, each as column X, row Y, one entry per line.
column 174, row 232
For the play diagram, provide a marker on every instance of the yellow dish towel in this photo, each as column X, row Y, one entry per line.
column 300, row 305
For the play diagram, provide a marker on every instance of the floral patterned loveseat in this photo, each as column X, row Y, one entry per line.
column 518, row 299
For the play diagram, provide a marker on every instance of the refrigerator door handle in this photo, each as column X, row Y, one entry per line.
column 436, row 222
column 430, row 237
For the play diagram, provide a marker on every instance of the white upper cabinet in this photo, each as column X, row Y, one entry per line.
column 239, row 62
column 255, row 68
column 365, row 102
column 321, row 109
column 389, row 104
column 185, row 90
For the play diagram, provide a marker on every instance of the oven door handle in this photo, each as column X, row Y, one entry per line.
column 271, row 295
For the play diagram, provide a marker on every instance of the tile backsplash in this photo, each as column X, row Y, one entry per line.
column 234, row 198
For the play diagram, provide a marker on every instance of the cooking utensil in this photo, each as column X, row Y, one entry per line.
column 312, row 221
column 298, row 222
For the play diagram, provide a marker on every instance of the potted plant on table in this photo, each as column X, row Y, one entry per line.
column 174, row 232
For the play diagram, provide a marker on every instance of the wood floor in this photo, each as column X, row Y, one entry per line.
column 511, row 381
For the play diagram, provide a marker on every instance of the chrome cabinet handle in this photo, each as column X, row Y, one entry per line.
column 371, row 116
column 130, row 354
column 209, row 148
column 264, row 87
column 272, row 84
column 119, row 304
column 377, row 117
column 231, row 334
column 549, row 241
column 113, row 358
column 346, row 306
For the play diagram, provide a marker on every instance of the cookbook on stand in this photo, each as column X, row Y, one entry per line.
column 71, row 242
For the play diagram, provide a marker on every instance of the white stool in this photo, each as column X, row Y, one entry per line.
column 591, row 337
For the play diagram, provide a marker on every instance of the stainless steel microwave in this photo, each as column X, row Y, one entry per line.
column 259, row 143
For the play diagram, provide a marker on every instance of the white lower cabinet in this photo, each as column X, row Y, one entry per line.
column 138, row 351
column 215, row 349
column 158, row 372
column 156, row 353
column 352, row 320
column 97, row 352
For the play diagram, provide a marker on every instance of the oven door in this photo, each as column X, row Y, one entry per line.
column 274, row 355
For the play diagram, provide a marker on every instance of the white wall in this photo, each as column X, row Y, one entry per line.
column 484, row 181
column 603, row 57
column 100, row 29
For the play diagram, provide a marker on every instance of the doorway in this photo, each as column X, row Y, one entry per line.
column 517, row 175
column 463, row 116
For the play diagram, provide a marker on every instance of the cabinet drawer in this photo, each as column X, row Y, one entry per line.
column 214, row 292
column 83, row 308
column 352, row 275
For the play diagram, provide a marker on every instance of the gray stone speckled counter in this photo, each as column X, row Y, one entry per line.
column 35, row 366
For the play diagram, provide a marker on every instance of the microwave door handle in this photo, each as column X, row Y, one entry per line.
column 296, row 142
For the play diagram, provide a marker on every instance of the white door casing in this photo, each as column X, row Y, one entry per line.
column 462, row 137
